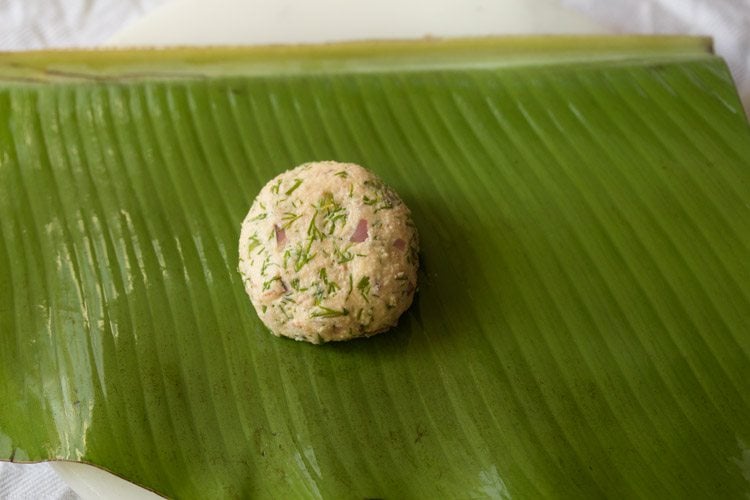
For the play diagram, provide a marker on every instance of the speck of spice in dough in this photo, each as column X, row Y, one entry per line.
column 328, row 252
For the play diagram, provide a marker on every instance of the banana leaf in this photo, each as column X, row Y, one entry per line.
column 582, row 326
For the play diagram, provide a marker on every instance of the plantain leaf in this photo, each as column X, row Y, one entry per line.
column 582, row 327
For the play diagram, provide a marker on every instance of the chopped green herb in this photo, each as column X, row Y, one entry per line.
column 295, row 284
column 283, row 311
column 275, row 187
column 326, row 203
column 332, row 222
column 319, row 294
column 333, row 213
column 253, row 243
column 312, row 230
column 378, row 202
column 367, row 320
column 303, row 255
column 267, row 284
column 330, row 286
column 364, row 287
column 344, row 254
column 264, row 308
column 260, row 216
column 383, row 198
column 334, row 218
column 351, row 286
column 289, row 218
column 342, row 174
column 327, row 312
column 264, row 267
column 297, row 183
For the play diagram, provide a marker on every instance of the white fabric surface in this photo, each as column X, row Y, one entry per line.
column 727, row 21
column 32, row 481
column 36, row 24
column 29, row 24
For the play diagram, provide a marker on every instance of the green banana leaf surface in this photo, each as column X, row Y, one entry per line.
column 582, row 325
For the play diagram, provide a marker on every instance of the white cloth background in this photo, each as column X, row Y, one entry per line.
column 32, row 481
column 727, row 21
column 32, row 24
column 38, row 24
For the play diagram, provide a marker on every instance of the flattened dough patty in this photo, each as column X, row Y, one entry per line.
column 328, row 252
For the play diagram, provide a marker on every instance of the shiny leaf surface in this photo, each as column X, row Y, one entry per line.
column 583, row 319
